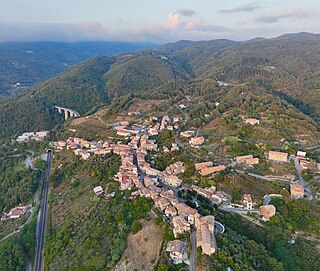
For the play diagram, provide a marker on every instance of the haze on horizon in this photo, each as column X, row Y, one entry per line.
column 157, row 21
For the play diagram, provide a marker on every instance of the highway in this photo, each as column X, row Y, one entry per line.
column 41, row 224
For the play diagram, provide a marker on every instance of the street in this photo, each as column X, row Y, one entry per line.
column 41, row 224
column 193, row 243
column 306, row 186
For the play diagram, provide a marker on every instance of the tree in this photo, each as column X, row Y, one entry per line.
column 136, row 226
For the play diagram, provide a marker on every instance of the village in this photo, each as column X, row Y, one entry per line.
column 136, row 174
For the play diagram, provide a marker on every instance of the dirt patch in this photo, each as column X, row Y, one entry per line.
column 142, row 250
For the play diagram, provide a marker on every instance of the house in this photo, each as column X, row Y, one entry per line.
column 169, row 195
column 278, row 156
column 304, row 164
column 296, row 191
column 123, row 132
column 301, row 154
column 125, row 184
column 171, row 180
column 187, row 134
column 247, row 201
column 210, row 170
column 98, row 190
column 61, row 145
column 18, row 211
column 199, row 166
column 177, row 251
column 205, row 234
column 252, row 121
column 171, row 211
column 252, row 161
column 267, row 211
column 186, row 212
column 243, row 158
column 161, row 203
column 174, row 147
column 196, row 141
column 180, row 226
column 41, row 135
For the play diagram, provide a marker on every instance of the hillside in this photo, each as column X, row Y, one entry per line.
column 284, row 68
column 24, row 64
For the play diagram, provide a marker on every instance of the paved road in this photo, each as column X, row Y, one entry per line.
column 193, row 253
column 257, row 176
column 267, row 198
column 219, row 227
column 41, row 225
column 306, row 186
column 238, row 210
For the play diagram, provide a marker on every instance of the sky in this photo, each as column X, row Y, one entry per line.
column 158, row 21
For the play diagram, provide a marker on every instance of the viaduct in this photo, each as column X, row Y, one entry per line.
column 68, row 113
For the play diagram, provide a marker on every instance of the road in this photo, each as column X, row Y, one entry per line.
column 306, row 186
column 257, row 176
column 267, row 198
column 193, row 253
column 238, row 210
column 41, row 224
column 218, row 227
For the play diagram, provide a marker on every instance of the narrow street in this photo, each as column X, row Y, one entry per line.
column 307, row 187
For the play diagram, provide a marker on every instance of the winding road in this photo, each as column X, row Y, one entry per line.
column 306, row 186
column 41, row 224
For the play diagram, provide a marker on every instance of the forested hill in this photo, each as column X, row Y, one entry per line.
column 287, row 67
column 24, row 64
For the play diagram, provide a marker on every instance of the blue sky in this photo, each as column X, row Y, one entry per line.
column 157, row 21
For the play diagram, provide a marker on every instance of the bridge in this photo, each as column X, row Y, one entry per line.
column 68, row 113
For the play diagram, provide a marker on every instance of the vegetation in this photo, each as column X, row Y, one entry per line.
column 17, row 183
column 100, row 232
column 11, row 255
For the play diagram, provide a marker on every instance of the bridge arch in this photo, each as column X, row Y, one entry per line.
column 68, row 113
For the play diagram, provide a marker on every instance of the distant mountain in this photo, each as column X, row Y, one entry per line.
column 287, row 69
column 302, row 36
column 24, row 64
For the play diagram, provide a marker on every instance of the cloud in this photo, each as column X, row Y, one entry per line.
column 276, row 16
column 175, row 19
column 88, row 30
column 242, row 8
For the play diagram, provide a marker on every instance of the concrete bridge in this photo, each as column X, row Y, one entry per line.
column 68, row 113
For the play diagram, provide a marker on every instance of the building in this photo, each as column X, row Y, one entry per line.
column 252, row 161
column 180, row 226
column 18, row 211
column 301, row 154
column 171, row 211
column 199, row 166
column 171, row 180
column 98, row 190
column 267, row 211
column 247, row 201
column 252, row 121
column 205, row 234
column 196, row 141
column 243, row 158
column 278, row 156
column 304, row 164
column 177, row 249
column 186, row 212
column 296, row 191
column 187, row 134
column 123, row 132
column 210, row 170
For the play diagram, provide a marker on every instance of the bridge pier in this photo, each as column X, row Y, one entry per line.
column 66, row 114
